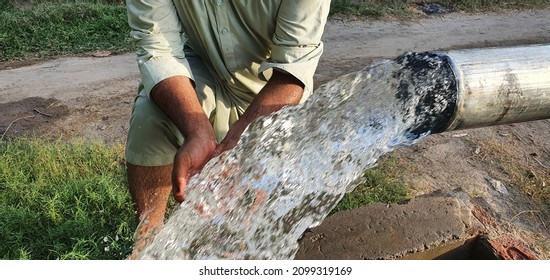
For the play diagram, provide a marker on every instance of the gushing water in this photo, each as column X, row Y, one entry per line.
column 291, row 168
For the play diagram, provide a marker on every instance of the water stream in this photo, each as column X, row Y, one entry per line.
column 291, row 168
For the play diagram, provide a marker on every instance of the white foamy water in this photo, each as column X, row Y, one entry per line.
column 291, row 168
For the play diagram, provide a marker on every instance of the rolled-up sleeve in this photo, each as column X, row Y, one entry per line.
column 297, row 39
column 155, row 26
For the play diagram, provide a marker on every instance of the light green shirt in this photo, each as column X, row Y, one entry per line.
column 241, row 41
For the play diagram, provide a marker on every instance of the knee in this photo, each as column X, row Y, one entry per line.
column 153, row 139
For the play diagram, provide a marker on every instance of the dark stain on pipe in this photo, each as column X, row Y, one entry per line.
column 507, row 92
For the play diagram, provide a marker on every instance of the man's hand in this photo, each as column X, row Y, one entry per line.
column 190, row 159
column 178, row 99
column 232, row 137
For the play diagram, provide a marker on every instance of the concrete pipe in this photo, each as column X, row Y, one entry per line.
column 500, row 85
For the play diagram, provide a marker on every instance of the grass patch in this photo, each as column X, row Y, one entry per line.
column 515, row 170
column 51, row 29
column 63, row 200
column 370, row 8
column 381, row 184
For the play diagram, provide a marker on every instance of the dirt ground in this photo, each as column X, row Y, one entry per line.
column 91, row 97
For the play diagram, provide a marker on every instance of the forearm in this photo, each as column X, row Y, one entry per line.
column 281, row 90
column 177, row 98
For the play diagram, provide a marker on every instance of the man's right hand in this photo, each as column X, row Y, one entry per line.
column 176, row 96
column 189, row 160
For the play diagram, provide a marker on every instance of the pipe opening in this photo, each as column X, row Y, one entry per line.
column 430, row 76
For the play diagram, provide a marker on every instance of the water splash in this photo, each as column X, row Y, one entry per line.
column 291, row 168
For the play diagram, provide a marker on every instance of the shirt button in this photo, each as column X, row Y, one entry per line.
column 224, row 30
column 219, row 2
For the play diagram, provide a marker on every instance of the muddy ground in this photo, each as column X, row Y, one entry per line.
column 91, row 97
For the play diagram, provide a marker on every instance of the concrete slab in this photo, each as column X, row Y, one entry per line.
column 395, row 231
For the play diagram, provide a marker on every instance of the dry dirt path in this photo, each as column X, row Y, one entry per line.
column 91, row 97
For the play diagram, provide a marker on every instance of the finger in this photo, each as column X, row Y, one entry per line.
column 178, row 188
column 179, row 175
column 218, row 150
column 225, row 145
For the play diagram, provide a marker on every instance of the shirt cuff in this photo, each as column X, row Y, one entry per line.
column 157, row 69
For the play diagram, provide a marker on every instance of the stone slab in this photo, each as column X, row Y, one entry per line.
column 380, row 231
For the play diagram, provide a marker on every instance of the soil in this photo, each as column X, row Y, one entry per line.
column 91, row 98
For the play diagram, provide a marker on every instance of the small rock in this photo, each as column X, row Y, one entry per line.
column 499, row 186
column 460, row 135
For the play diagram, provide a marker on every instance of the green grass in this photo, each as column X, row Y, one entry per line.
column 381, row 184
column 63, row 200
column 46, row 30
column 370, row 8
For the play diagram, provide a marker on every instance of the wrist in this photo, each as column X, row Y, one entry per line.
column 204, row 136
